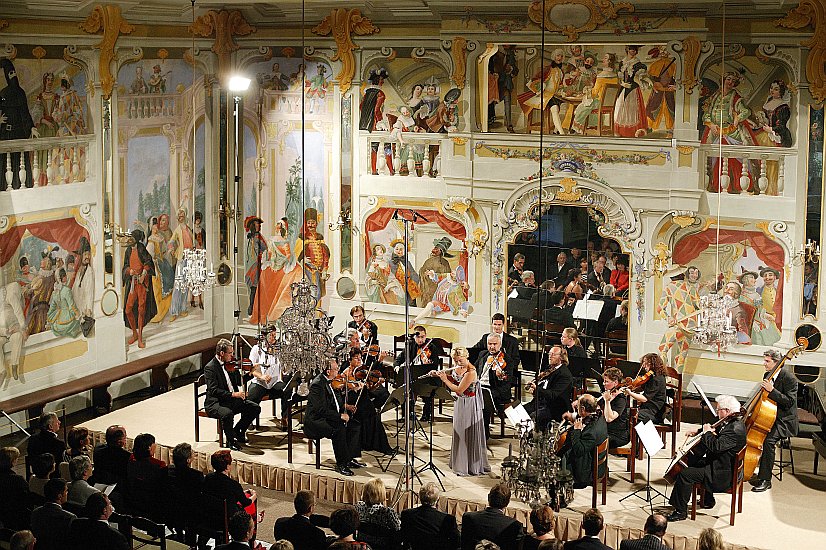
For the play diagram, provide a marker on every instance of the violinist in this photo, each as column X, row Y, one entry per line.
column 372, row 352
column 588, row 432
column 509, row 343
column 225, row 396
column 266, row 372
column 359, row 320
column 360, row 405
column 651, row 396
column 552, row 390
column 326, row 417
column 714, row 470
column 615, row 408
column 496, row 374
column 422, row 351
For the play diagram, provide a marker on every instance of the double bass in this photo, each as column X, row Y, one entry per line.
column 761, row 412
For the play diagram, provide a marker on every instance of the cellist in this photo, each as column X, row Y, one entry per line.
column 715, row 469
column 782, row 389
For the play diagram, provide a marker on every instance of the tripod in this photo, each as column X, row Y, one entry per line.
column 652, row 444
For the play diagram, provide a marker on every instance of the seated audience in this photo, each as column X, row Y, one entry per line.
column 182, row 484
column 298, row 529
column 542, row 523
column 80, row 469
column 218, row 484
column 344, row 522
column 23, row 540
column 425, row 527
column 241, row 530
column 46, row 439
column 492, row 524
column 93, row 530
column 655, row 527
column 111, row 458
column 527, row 288
column 592, row 525
column 14, row 490
column 710, row 539
column 50, row 522
column 373, row 511
column 78, row 440
column 42, row 467
column 143, row 475
column 619, row 276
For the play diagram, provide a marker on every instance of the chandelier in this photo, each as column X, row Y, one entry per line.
column 191, row 274
column 305, row 346
column 714, row 322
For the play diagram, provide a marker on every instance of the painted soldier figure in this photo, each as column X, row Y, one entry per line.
column 138, row 271
column 15, row 123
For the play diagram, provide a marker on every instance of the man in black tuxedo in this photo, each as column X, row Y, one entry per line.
column 492, row 524
column 93, row 530
column 497, row 373
column 588, row 432
column 50, row 522
column 556, row 313
column 558, row 272
column 425, row 527
column 600, row 275
column 782, row 389
column 299, row 529
column 226, row 396
column 111, row 460
column 359, row 319
column 592, row 525
column 655, row 527
column 422, row 351
column 715, row 470
column 553, row 392
column 46, row 439
column 242, row 531
column 509, row 343
column 326, row 418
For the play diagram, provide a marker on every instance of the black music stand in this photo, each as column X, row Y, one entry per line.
column 394, row 402
column 648, row 435
column 630, row 369
column 431, row 387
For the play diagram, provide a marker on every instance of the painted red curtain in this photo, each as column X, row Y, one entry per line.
column 66, row 233
column 766, row 248
column 379, row 219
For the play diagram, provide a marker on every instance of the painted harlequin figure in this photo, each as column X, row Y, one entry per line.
column 679, row 303
column 256, row 248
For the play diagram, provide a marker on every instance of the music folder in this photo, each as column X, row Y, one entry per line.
column 651, row 440
column 518, row 415
column 588, row 309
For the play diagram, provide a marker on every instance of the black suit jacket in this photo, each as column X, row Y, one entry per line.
column 559, row 275
column 500, row 389
column 594, row 279
column 785, row 395
column 90, row 533
column 413, row 349
column 586, row 543
column 555, row 392
column 509, row 343
column 321, row 413
column 426, row 528
column 559, row 316
column 50, row 525
column 583, row 443
column 298, row 530
column 721, row 451
column 491, row 524
column 218, row 393
column 110, row 464
column 648, row 542
column 222, row 486
column 14, row 491
column 45, row 441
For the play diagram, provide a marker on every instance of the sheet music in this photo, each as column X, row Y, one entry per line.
column 703, row 395
column 517, row 415
column 651, row 440
column 588, row 309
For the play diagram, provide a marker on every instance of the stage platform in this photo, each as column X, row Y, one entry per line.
column 790, row 515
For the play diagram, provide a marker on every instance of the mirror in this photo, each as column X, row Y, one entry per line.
column 109, row 301
column 346, row 287
column 561, row 255
column 811, row 333
column 346, row 200
column 814, row 204
column 223, row 274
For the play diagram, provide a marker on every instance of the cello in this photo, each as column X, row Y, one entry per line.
column 687, row 453
column 761, row 413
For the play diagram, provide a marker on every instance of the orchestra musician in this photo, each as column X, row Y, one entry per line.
column 422, row 351
column 509, row 343
column 782, row 390
column 615, row 408
column 359, row 319
column 496, row 374
column 267, row 378
column 652, row 398
column 589, row 430
column 720, row 447
column 552, row 390
column 360, row 404
column 326, row 418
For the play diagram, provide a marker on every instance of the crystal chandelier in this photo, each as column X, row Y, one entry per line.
column 305, row 346
column 191, row 274
column 714, row 326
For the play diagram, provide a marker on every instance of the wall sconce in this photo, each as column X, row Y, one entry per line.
column 808, row 253
column 476, row 242
column 344, row 220
column 657, row 265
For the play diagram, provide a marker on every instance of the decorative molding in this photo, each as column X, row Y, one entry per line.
column 683, row 218
column 342, row 23
column 108, row 19
column 569, row 191
column 458, row 52
column 3, row 24
column 460, row 205
column 5, row 224
column 686, row 149
column 691, row 53
column 811, row 12
column 770, row 53
column 498, row 26
column 224, row 26
column 599, row 12
column 39, row 52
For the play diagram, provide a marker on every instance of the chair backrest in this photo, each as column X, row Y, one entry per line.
column 212, row 519
column 738, row 471
column 601, row 460
column 609, row 97
column 200, row 396
column 398, row 345
column 144, row 532
column 447, row 351
column 377, row 536
column 615, row 343
column 674, row 382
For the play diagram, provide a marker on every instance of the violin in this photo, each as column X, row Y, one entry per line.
column 423, row 354
column 375, row 351
column 498, row 366
column 342, row 381
column 244, row 364
column 636, row 383
column 372, row 378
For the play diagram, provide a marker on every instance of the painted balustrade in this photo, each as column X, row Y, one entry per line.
column 151, row 106
column 403, row 154
column 44, row 161
column 744, row 169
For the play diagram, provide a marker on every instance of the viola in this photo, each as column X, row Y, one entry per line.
column 423, row 355
column 342, row 381
column 243, row 364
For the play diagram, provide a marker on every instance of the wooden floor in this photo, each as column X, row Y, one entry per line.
column 788, row 516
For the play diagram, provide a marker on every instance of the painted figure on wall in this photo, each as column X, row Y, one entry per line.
column 661, row 102
column 378, row 277
column 15, row 123
column 317, row 88
column 82, row 283
column 40, row 293
column 12, row 326
column 276, row 80
column 199, row 234
column 586, row 113
column 182, row 240
column 256, row 247
column 438, row 264
column 543, row 90
column 765, row 331
column 742, row 314
column 43, row 111
column 156, row 247
column 629, row 110
column 372, row 102
column 502, row 69
column 398, row 283
column 138, row 85
column 312, row 252
column 451, row 295
column 63, row 316
column 679, row 304
column 446, row 117
column 139, row 304
column 69, row 111
column 157, row 82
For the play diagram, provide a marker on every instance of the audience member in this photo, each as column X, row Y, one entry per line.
column 487, row 545
column 218, row 484
column 526, row 289
column 425, row 527
column 78, row 440
column 492, row 523
column 655, row 527
column 515, row 272
column 710, row 539
column 619, row 276
column 542, row 523
column 344, row 522
column 23, row 540
column 592, row 526
column 46, row 439
column 373, row 511
column 620, row 322
column 241, row 530
column 14, row 490
column 143, row 475
column 42, row 467
column 93, row 530
column 111, row 458
column 80, row 469
column 556, row 313
column 182, row 484
column 50, row 522
column 298, row 529
column 282, row 544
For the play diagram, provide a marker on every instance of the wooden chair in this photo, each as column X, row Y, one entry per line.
column 212, row 522
column 630, row 452
column 200, row 412
column 446, row 356
column 600, row 461
column 143, row 533
column 674, row 384
column 615, row 344
column 607, row 108
column 735, row 489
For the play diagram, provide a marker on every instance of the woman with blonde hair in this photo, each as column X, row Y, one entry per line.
column 710, row 539
column 570, row 341
column 373, row 511
column 468, row 453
